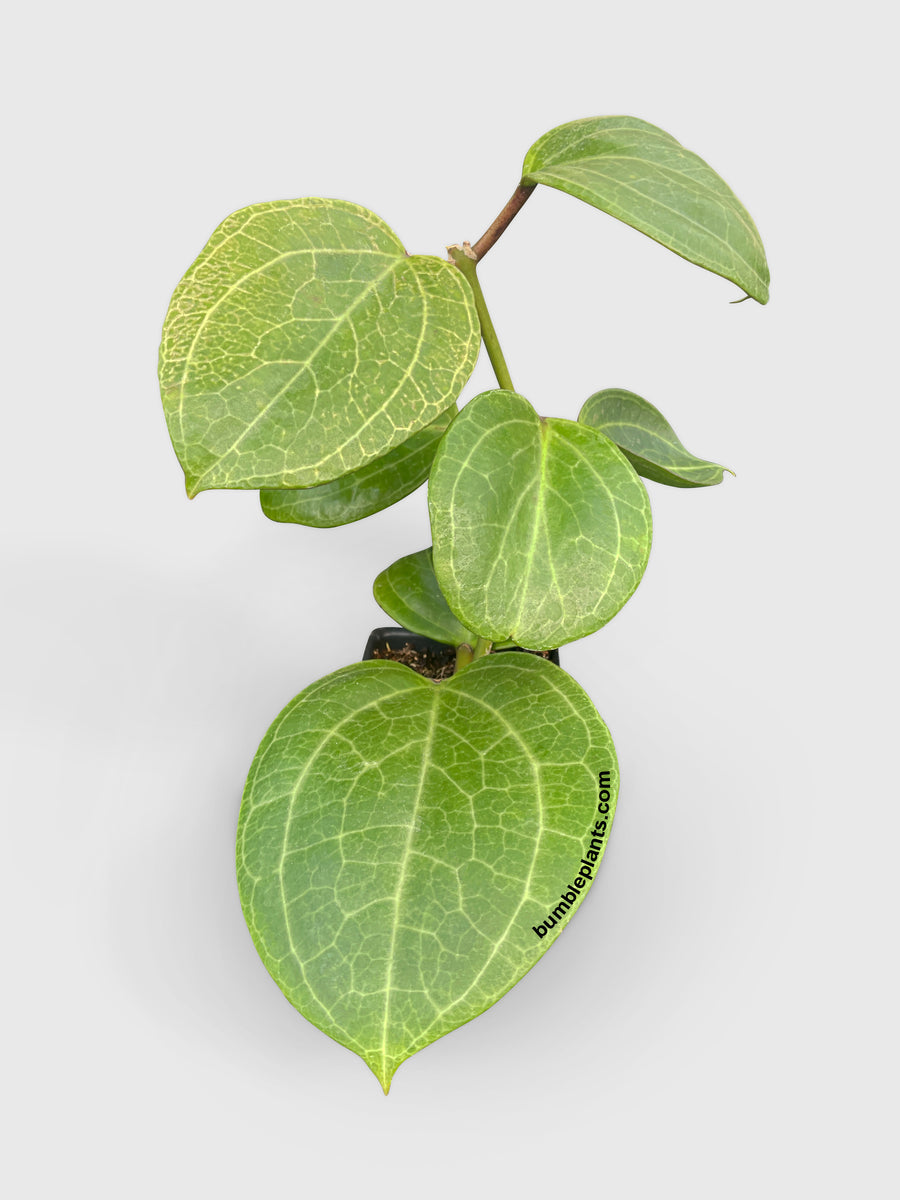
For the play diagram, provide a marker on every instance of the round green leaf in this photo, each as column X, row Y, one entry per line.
column 541, row 527
column 405, row 849
column 641, row 175
column 647, row 440
column 408, row 591
column 304, row 342
column 358, row 494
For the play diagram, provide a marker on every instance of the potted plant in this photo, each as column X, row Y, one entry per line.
column 409, row 846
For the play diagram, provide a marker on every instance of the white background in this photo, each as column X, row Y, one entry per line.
column 719, row 1020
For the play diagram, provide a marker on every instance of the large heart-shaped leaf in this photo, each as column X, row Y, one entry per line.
column 541, row 527
column 304, row 342
column 647, row 440
column 408, row 850
column 360, row 493
column 640, row 174
column 408, row 591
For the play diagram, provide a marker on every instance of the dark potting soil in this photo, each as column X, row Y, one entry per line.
column 433, row 664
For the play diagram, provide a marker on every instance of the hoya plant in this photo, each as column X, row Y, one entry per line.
column 409, row 845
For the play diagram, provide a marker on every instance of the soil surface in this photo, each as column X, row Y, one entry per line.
column 432, row 664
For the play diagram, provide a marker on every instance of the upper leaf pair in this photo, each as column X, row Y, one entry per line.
column 304, row 345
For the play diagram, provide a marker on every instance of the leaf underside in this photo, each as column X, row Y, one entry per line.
column 400, row 842
column 365, row 491
column 408, row 592
column 304, row 343
column 647, row 440
column 541, row 529
column 644, row 177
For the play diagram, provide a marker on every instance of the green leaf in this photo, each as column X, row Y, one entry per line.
column 408, row 591
column 402, row 845
column 541, row 527
column 304, row 343
column 647, row 440
column 641, row 175
column 360, row 493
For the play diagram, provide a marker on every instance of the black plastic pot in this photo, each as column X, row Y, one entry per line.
column 395, row 638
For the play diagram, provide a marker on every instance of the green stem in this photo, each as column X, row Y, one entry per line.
column 482, row 647
column 464, row 258
column 464, row 655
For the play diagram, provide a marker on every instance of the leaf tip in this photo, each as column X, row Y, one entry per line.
column 194, row 485
column 383, row 1072
column 761, row 297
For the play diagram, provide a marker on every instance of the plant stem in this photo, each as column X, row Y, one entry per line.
column 482, row 647
column 493, row 232
column 464, row 655
column 464, row 257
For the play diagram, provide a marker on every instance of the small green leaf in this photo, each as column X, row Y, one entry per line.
column 406, row 850
column 408, row 591
column 647, row 440
column 304, row 343
column 541, row 527
column 360, row 493
column 642, row 176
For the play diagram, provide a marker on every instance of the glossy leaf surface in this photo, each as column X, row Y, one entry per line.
column 304, row 343
column 644, row 177
column 647, row 440
column 408, row 591
column 402, row 844
column 541, row 527
column 358, row 494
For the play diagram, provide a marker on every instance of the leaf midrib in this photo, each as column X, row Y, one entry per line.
column 401, row 878
column 544, row 435
column 691, row 462
column 418, row 682
column 304, row 366
column 239, row 283
column 658, row 234
column 672, row 143
column 537, row 843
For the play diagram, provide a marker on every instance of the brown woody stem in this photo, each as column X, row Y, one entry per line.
column 493, row 232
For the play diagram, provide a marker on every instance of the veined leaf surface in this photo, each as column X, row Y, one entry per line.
column 408, row 591
column 647, row 440
column 541, row 527
column 304, row 342
column 644, row 177
column 405, row 848
column 358, row 494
